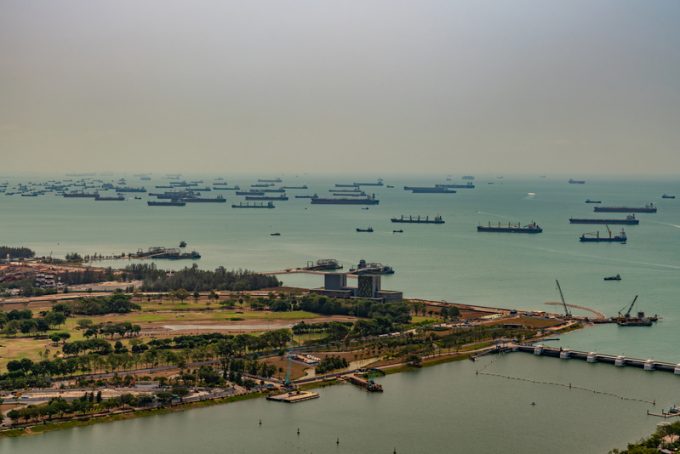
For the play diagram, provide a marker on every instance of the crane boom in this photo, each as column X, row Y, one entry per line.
column 566, row 308
column 630, row 308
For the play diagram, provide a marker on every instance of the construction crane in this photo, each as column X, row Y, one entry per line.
column 567, row 312
column 630, row 308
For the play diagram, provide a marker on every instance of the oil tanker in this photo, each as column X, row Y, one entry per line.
column 162, row 203
column 345, row 201
column 649, row 208
column 510, row 228
column 628, row 220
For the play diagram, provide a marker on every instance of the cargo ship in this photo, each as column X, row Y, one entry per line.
column 218, row 199
column 374, row 183
column 103, row 198
column 429, row 190
column 418, row 220
column 596, row 238
column 267, row 197
column 271, row 180
column 649, row 208
column 306, row 196
column 254, row 205
column 468, row 177
column 226, row 188
column 127, row 189
column 163, row 203
column 345, row 185
column 81, row 195
column 628, row 220
column 345, row 201
column 468, row 185
column 510, row 228
column 304, row 186
column 365, row 230
column 572, row 181
column 251, row 192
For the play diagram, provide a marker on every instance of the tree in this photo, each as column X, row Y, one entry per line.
column 181, row 294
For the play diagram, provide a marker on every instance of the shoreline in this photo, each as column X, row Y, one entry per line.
column 39, row 429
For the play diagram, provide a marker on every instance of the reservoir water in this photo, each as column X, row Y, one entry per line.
column 441, row 409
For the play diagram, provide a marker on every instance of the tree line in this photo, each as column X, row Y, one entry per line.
column 194, row 279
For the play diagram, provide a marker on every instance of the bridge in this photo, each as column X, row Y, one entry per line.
column 592, row 357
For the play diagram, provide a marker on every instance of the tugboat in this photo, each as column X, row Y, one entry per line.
column 640, row 320
column 613, row 278
column 367, row 229
column 596, row 238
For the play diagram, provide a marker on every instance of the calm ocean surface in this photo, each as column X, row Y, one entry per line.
column 446, row 406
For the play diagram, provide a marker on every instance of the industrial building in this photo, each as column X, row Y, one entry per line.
column 368, row 287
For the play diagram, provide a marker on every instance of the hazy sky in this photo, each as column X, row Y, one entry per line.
column 449, row 86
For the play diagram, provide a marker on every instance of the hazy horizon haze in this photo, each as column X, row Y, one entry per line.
column 293, row 86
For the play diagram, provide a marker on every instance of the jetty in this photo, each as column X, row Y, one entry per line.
column 294, row 397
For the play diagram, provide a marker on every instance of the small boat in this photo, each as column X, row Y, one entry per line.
column 397, row 231
column 275, row 234
column 389, row 186
column 613, row 278
column 593, row 201
column 668, row 196
column 368, row 229
column 365, row 208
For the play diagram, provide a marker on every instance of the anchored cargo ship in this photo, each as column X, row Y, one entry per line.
column 162, row 203
column 103, row 198
column 429, row 190
column 649, row 208
column 127, row 189
column 418, row 220
column 628, row 220
column 468, row 185
column 218, row 199
column 81, row 195
column 254, row 205
column 596, row 238
column 267, row 197
column 510, row 228
column 572, row 181
column 345, row 201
